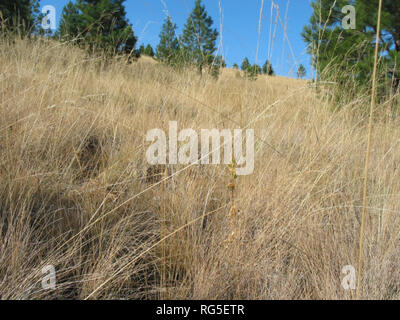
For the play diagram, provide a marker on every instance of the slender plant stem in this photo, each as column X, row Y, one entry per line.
column 371, row 112
column 163, row 244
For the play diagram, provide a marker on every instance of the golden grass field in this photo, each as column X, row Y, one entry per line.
column 77, row 192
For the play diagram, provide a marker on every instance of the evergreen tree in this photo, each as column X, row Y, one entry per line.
column 235, row 66
column 198, row 39
column 20, row 16
column 141, row 49
column 391, row 24
column 219, row 62
column 347, row 55
column 253, row 71
column 301, row 72
column 267, row 69
column 70, row 22
column 149, row 51
column 245, row 64
column 99, row 24
column 167, row 49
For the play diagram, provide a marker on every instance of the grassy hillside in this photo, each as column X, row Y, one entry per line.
column 77, row 192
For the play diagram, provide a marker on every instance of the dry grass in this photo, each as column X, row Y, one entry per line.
column 76, row 190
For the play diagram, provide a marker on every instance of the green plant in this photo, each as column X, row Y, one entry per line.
column 267, row 68
column 252, row 72
column 19, row 17
column 301, row 71
column 99, row 25
column 198, row 38
column 345, row 56
column 168, row 48
column 245, row 64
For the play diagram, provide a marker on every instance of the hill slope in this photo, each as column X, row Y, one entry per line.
column 77, row 192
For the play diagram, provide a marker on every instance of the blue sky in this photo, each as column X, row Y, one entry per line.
column 240, row 25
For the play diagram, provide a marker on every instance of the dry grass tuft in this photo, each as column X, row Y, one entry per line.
column 76, row 190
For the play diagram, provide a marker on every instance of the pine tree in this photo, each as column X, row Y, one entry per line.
column 346, row 55
column 141, row 49
column 20, row 16
column 168, row 48
column 219, row 61
column 245, row 64
column 267, row 69
column 253, row 71
column 148, row 51
column 391, row 23
column 100, row 24
column 217, row 64
column 334, row 48
column 70, row 23
column 301, row 71
column 198, row 39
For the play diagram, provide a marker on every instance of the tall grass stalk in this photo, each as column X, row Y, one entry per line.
column 368, row 153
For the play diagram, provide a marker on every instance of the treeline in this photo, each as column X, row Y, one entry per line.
column 19, row 17
column 195, row 46
column 101, row 26
column 252, row 71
